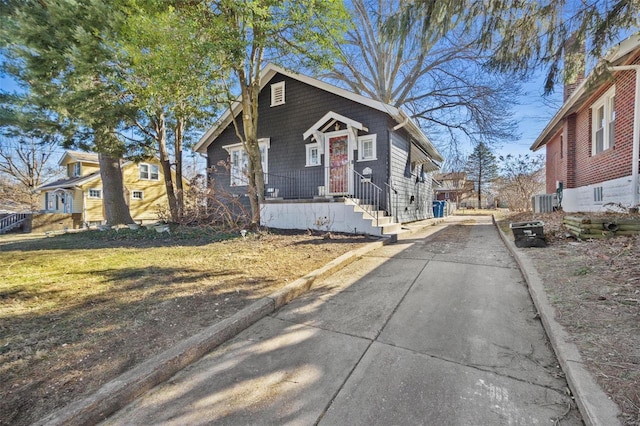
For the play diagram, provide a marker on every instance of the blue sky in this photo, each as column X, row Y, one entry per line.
column 532, row 113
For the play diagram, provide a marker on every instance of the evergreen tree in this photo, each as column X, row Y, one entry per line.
column 523, row 35
column 481, row 168
column 173, row 78
column 57, row 50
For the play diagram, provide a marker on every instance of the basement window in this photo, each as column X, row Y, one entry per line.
column 597, row 194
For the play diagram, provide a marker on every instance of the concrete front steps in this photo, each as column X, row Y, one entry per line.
column 379, row 218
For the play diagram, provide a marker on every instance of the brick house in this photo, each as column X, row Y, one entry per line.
column 592, row 143
column 455, row 188
column 333, row 160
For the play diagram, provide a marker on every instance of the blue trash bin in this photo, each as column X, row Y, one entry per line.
column 438, row 208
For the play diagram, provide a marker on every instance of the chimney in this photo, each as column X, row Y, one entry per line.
column 574, row 64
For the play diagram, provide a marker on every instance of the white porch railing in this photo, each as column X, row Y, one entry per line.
column 12, row 221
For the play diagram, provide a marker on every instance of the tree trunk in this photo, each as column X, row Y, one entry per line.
column 250, row 128
column 179, row 137
column 165, row 163
column 480, row 182
column 116, row 210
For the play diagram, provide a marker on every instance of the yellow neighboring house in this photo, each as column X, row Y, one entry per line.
column 80, row 193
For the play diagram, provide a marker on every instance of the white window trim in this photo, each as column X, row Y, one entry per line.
column 93, row 197
column 149, row 168
column 141, row 195
column 264, row 144
column 277, row 88
column 77, row 170
column 373, row 139
column 603, row 101
column 308, row 148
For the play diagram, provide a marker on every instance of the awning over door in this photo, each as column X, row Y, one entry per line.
column 420, row 157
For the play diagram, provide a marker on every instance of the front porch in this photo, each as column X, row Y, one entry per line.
column 337, row 199
column 338, row 214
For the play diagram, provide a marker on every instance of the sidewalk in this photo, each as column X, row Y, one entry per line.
column 436, row 329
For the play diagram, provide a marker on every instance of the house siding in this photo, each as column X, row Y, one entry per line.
column 615, row 162
column 93, row 207
column 556, row 170
column 414, row 198
column 154, row 202
column 285, row 124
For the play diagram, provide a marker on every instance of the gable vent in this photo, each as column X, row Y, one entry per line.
column 277, row 94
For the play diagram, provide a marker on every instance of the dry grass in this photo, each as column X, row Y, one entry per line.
column 594, row 287
column 79, row 309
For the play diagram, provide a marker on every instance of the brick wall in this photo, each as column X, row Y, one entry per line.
column 556, row 165
column 614, row 162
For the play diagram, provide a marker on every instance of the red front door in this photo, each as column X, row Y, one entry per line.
column 338, row 164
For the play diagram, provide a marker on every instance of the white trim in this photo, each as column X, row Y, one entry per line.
column 615, row 54
column 76, row 169
column 327, row 151
column 604, row 104
column 277, row 94
column 238, row 179
column 308, row 148
column 133, row 191
column 335, row 116
column 270, row 70
column 635, row 154
column 89, row 196
column 149, row 172
column 361, row 140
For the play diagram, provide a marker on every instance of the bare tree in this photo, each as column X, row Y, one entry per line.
column 433, row 71
column 521, row 178
column 29, row 164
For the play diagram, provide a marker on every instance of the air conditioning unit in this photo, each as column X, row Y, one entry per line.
column 544, row 203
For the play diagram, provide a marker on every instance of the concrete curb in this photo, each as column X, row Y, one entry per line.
column 122, row 390
column 594, row 405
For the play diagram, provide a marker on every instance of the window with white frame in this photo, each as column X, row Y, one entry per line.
column 50, row 201
column 149, row 171
column 95, row 193
column 137, row 195
column 366, row 148
column 277, row 94
column 313, row 154
column 74, row 170
column 603, row 113
column 239, row 162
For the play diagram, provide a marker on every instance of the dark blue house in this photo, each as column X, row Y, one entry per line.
column 333, row 160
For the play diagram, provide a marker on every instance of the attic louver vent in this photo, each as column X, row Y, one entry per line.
column 277, row 94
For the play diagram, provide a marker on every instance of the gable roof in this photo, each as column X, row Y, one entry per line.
column 78, row 156
column 616, row 56
column 270, row 70
column 70, row 182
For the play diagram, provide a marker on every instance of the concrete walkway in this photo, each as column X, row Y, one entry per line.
column 438, row 329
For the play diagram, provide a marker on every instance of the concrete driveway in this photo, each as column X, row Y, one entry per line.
column 438, row 329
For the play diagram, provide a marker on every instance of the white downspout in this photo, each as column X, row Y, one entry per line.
column 635, row 156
